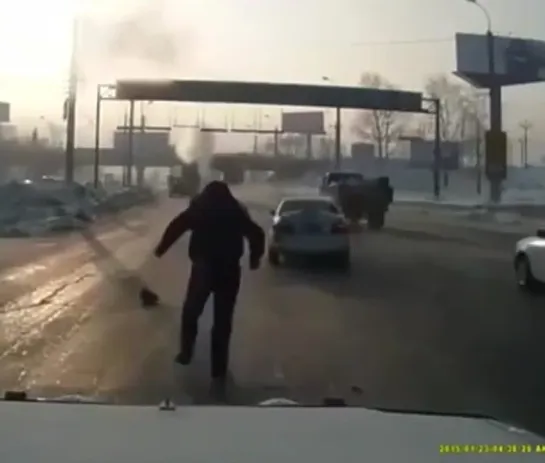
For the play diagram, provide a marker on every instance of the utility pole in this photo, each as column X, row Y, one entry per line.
column 437, row 160
column 71, row 107
column 96, row 161
column 478, row 161
column 257, row 128
column 130, row 154
column 140, row 147
column 338, row 138
column 525, row 126
column 125, row 132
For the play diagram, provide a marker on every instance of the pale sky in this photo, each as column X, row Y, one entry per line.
column 404, row 40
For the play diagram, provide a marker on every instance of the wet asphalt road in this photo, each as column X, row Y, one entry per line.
column 428, row 319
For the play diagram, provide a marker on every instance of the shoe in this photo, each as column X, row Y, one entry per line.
column 218, row 389
column 148, row 298
column 183, row 358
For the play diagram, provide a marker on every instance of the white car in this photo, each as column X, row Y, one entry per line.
column 530, row 261
column 309, row 225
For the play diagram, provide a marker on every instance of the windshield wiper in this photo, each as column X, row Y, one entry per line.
column 408, row 411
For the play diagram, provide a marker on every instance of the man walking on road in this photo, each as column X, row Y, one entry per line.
column 219, row 224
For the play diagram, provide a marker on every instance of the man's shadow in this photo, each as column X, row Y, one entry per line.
column 128, row 281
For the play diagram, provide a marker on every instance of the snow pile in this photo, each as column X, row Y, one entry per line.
column 38, row 208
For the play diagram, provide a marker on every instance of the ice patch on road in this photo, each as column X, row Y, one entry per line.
column 507, row 218
column 25, row 272
column 502, row 218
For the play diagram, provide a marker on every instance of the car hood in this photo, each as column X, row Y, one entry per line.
column 97, row 433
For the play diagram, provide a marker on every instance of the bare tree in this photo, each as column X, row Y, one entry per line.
column 292, row 144
column 476, row 114
column 268, row 145
column 56, row 134
column 459, row 108
column 381, row 127
column 285, row 146
column 202, row 146
column 326, row 147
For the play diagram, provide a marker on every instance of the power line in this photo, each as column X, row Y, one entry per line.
column 424, row 41
column 404, row 42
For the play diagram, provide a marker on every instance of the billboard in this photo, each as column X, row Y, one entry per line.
column 145, row 145
column 4, row 112
column 362, row 151
column 516, row 61
column 307, row 122
column 422, row 154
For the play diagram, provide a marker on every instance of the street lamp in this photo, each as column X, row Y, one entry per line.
column 104, row 92
column 490, row 41
column 485, row 11
column 495, row 102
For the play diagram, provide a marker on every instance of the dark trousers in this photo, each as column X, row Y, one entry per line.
column 224, row 282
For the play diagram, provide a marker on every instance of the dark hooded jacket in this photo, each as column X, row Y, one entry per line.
column 219, row 224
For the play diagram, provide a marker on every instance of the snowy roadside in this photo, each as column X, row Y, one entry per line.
column 37, row 210
column 498, row 222
column 470, row 215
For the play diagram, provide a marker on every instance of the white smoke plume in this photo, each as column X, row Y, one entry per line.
column 195, row 145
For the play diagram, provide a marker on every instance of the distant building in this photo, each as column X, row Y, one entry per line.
column 8, row 131
column 422, row 154
column 362, row 151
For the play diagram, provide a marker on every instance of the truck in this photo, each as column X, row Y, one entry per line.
column 358, row 197
column 233, row 175
column 184, row 180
